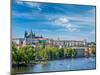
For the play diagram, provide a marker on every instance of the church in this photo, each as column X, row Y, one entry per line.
column 30, row 39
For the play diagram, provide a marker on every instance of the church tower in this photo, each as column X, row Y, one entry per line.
column 31, row 34
column 25, row 34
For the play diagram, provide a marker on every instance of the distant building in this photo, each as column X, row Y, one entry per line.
column 18, row 41
column 32, row 39
column 69, row 43
column 91, row 44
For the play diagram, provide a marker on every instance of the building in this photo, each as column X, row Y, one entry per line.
column 32, row 39
column 69, row 43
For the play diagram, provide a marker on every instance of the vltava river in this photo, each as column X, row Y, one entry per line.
column 60, row 65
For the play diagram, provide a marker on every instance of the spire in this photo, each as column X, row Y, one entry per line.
column 31, row 34
column 25, row 34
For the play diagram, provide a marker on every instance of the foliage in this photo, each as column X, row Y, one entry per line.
column 23, row 54
column 26, row 54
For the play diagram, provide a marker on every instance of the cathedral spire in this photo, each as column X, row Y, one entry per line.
column 31, row 34
column 25, row 34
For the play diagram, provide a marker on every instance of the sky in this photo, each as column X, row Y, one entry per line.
column 53, row 20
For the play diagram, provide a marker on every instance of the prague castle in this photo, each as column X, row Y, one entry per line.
column 32, row 39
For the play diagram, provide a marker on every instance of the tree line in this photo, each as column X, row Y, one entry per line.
column 27, row 54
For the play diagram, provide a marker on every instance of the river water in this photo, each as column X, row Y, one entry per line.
column 60, row 65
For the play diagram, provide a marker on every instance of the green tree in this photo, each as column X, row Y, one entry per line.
column 61, row 53
column 73, row 52
column 14, row 52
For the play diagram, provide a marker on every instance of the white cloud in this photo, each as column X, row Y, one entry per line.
column 88, row 17
column 30, row 4
column 71, row 28
column 19, row 2
column 64, row 22
column 61, row 20
column 34, row 5
column 72, row 22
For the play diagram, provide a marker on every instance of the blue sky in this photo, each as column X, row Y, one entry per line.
column 66, row 21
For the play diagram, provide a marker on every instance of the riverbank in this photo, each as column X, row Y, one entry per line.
column 45, row 61
column 59, row 65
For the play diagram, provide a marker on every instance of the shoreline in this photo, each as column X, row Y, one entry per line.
column 44, row 61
